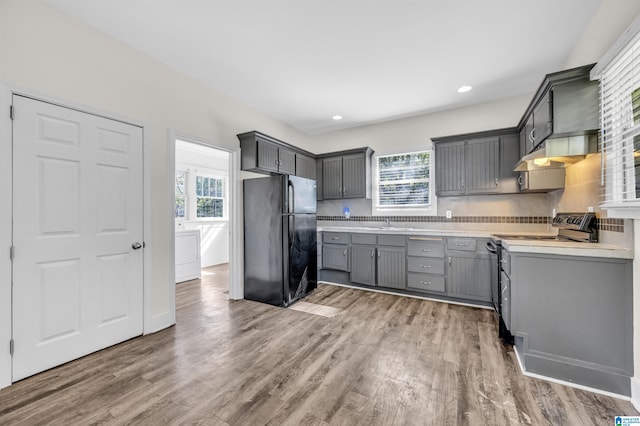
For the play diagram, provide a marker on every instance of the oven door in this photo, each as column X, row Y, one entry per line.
column 494, row 252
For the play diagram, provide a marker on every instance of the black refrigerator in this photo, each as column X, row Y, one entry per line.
column 280, row 253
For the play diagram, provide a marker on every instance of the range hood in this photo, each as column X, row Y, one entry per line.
column 558, row 151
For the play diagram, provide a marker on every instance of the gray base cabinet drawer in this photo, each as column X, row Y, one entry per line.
column 425, row 248
column 391, row 240
column 335, row 237
column 425, row 282
column 369, row 239
column 461, row 244
column 424, row 265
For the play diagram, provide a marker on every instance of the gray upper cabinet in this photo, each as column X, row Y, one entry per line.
column 566, row 104
column 482, row 171
column 305, row 166
column 261, row 153
column 346, row 174
column 450, row 161
column 477, row 163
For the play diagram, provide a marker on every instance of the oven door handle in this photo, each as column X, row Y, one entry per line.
column 492, row 248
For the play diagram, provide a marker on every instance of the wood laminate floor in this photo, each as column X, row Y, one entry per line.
column 381, row 360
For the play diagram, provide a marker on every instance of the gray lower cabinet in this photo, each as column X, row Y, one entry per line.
column 391, row 267
column 554, row 301
column 363, row 270
column 335, row 251
column 425, row 264
column 468, row 269
column 378, row 260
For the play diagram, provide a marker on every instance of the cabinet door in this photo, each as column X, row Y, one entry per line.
column 530, row 137
column 450, row 163
column 305, row 166
column 363, row 269
column 542, row 122
column 286, row 161
column 391, row 267
column 319, row 180
column 509, row 157
column 332, row 178
column 267, row 156
column 335, row 257
column 482, row 165
column 354, row 181
column 469, row 277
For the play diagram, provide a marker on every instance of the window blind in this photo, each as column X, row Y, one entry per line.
column 620, row 126
column 404, row 180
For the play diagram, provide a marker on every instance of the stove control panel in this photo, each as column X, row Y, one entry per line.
column 577, row 221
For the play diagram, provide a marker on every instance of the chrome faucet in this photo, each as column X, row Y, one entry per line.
column 387, row 223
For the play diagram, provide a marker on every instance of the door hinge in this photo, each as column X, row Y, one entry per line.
column 11, row 347
column 11, row 252
column 12, row 113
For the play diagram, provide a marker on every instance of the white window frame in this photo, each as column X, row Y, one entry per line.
column 191, row 207
column 223, row 197
column 186, row 194
column 430, row 210
column 618, row 174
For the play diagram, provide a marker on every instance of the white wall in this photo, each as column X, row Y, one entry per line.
column 50, row 53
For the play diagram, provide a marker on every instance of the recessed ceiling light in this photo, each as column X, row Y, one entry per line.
column 464, row 89
column 337, row 117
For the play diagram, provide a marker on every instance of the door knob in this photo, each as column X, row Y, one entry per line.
column 136, row 246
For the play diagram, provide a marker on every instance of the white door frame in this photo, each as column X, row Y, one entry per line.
column 236, row 271
column 7, row 91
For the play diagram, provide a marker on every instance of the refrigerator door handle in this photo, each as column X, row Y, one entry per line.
column 291, row 197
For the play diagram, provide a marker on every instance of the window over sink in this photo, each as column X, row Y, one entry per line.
column 403, row 183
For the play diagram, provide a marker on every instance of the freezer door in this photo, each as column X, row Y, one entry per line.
column 263, row 244
column 301, row 265
column 301, row 195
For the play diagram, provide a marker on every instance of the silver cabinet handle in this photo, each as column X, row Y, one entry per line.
column 378, row 255
column 426, row 266
column 425, row 282
column 496, row 181
column 344, row 190
column 426, row 250
column 462, row 183
column 373, row 253
column 136, row 246
column 503, row 261
column 462, row 244
column 335, row 238
column 345, row 252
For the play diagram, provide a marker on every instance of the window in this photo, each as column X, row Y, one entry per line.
column 199, row 196
column 209, row 197
column 620, row 125
column 404, row 180
column 181, row 180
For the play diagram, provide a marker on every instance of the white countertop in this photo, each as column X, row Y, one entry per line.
column 568, row 248
column 563, row 248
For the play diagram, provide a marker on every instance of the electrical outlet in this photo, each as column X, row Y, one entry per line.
column 448, row 214
column 590, row 209
column 553, row 213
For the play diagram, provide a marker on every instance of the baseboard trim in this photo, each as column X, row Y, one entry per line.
column 635, row 392
column 570, row 384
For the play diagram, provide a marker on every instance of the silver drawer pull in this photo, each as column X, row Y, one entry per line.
column 424, row 239
column 462, row 244
column 426, row 266
column 335, row 238
column 345, row 252
column 425, row 282
column 426, row 250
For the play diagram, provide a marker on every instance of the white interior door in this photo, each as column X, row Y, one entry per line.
column 77, row 215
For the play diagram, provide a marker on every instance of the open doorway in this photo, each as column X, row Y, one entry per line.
column 202, row 213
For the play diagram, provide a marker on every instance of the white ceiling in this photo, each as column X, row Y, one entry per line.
column 303, row 61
